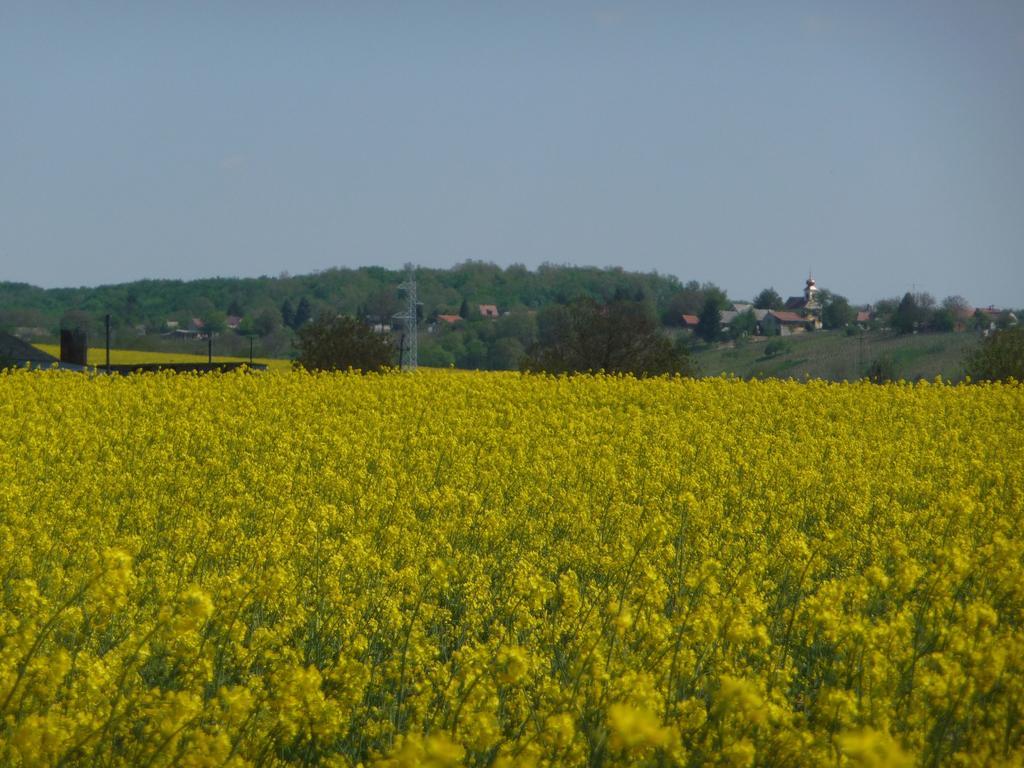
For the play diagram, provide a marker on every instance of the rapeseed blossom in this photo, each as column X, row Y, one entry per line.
column 497, row 569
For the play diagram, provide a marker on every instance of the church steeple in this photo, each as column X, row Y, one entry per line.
column 810, row 291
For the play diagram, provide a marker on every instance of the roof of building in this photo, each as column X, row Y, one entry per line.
column 787, row 317
column 741, row 306
column 449, row 318
column 488, row 310
column 863, row 316
column 690, row 320
column 14, row 350
column 796, row 302
column 759, row 314
column 727, row 316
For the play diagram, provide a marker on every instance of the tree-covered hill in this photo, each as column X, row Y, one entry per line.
column 368, row 292
column 260, row 316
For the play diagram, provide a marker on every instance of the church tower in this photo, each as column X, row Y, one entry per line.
column 812, row 303
column 811, row 294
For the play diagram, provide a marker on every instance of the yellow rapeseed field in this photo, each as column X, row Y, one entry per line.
column 497, row 569
column 98, row 356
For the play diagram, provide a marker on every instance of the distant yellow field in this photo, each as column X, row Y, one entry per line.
column 98, row 356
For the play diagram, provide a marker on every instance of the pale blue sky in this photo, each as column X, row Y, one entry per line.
column 879, row 143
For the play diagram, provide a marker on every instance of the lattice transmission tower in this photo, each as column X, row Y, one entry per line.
column 409, row 350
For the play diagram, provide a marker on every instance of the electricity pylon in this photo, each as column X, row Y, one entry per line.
column 410, row 348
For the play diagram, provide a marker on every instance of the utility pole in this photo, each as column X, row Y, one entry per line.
column 108, row 341
column 860, row 355
column 408, row 357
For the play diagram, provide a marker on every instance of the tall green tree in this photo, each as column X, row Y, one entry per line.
column 617, row 337
column 303, row 314
column 1000, row 357
column 957, row 305
column 836, row 312
column 709, row 322
column 885, row 310
column 338, row 342
column 942, row 320
column 287, row 313
column 908, row 314
column 768, row 299
column 743, row 325
column 688, row 300
column 266, row 321
column 215, row 322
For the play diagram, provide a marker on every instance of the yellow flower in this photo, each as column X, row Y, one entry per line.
column 873, row 749
column 293, row 567
column 631, row 727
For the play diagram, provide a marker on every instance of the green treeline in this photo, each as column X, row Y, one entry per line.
column 272, row 308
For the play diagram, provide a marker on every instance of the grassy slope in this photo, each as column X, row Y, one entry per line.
column 834, row 355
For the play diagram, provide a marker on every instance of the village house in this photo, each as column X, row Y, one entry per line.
column 807, row 307
column 174, row 330
column 727, row 316
column 779, row 322
column 443, row 321
column 988, row 319
column 759, row 316
column 488, row 310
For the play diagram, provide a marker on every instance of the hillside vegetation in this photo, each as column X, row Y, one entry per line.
column 481, row 316
column 365, row 291
column 272, row 309
column 836, row 356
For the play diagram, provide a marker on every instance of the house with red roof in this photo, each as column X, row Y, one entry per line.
column 690, row 322
column 488, row 310
column 780, row 322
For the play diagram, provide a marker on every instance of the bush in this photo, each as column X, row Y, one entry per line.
column 337, row 342
column 1000, row 357
column 883, row 369
column 775, row 348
